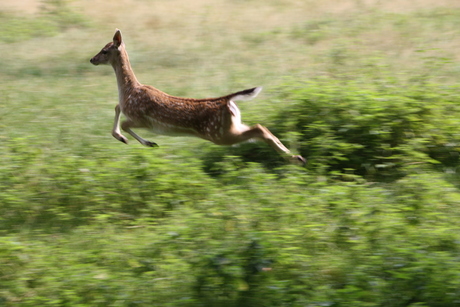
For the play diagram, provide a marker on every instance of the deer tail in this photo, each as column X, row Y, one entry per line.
column 246, row 94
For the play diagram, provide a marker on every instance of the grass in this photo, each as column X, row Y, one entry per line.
column 367, row 91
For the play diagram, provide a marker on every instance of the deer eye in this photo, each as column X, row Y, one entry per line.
column 104, row 51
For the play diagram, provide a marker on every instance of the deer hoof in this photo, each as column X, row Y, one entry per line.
column 151, row 144
column 299, row 160
column 122, row 139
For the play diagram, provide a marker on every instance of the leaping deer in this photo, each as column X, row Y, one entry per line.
column 214, row 119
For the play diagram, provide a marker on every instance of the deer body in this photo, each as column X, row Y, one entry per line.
column 214, row 119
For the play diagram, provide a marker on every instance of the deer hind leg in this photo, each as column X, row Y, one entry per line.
column 260, row 132
column 127, row 125
column 116, row 126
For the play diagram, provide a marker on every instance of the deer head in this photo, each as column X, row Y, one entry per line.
column 110, row 51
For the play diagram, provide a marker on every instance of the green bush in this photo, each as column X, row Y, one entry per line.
column 348, row 127
column 371, row 221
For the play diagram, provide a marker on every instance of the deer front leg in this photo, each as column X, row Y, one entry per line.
column 127, row 125
column 262, row 133
column 116, row 126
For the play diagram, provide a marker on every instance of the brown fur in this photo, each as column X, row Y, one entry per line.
column 215, row 119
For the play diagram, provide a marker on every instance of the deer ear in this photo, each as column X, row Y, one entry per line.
column 117, row 40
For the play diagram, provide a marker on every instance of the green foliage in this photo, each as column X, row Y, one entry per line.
column 79, row 189
column 371, row 131
column 142, row 230
column 372, row 220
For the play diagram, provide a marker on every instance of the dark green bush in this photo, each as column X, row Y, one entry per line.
column 128, row 226
column 369, row 130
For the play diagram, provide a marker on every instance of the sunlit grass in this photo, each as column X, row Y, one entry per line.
column 87, row 220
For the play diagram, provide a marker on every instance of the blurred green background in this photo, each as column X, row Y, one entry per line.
column 366, row 90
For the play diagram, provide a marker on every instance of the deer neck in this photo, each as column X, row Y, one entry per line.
column 126, row 79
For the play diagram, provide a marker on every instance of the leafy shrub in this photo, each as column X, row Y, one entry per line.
column 143, row 230
column 78, row 189
column 375, row 132
column 371, row 221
